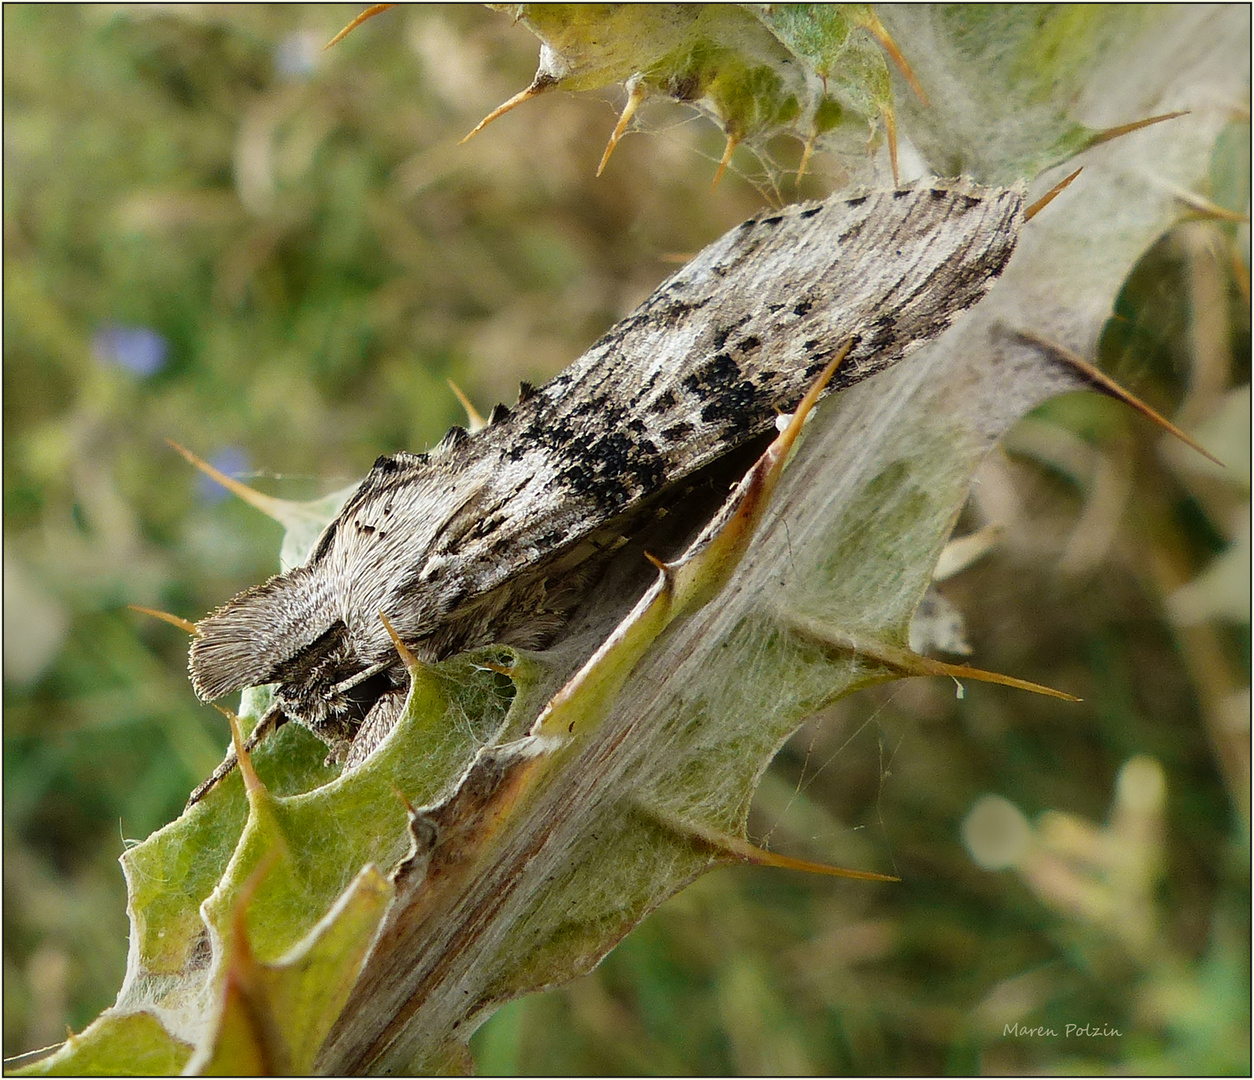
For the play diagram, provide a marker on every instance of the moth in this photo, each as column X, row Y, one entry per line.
column 496, row 537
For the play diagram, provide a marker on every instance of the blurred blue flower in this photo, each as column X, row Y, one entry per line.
column 230, row 460
column 297, row 55
column 138, row 349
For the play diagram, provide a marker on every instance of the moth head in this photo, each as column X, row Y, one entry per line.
column 248, row 641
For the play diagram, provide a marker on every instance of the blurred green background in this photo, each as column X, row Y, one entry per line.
column 219, row 234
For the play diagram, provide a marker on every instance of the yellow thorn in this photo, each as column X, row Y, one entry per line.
column 890, row 133
column 760, row 857
column 732, row 142
column 1050, row 196
column 635, row 95
column 658, row 563
column 252, row 782
column 242, row 970
column 165, row 616
column 369, row 13
column 790, row 433
column 961, row 552
column 759, row 482
column 500, row 669
column 1107, row 385
column 475, row 422
column 928, row 666
column 877, row 31
column 1136, row 125
column 254, row 881
column 665, row 569
column 400, row 795
column 1240, row 274
column 744, row 851
column 538, row 85
column 407, row 658
column 765, row 472
column 1205, row 207
column 278, row 509
column 907, row 663
column 807, row 150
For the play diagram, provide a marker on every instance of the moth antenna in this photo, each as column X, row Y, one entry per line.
column 284, row 511
column 876, row 29
column 474, row 421
column 498, row 413
column 407, row 657
column 369, row 13
column 636, row 93
column 525, row 392
column 1126, row 129
column 538, row 85
column 455, row 435
column 165, row 616
column 1104, row 383
column 1050, row 195
column 733, row 141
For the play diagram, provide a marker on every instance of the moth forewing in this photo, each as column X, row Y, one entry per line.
column 495, row 537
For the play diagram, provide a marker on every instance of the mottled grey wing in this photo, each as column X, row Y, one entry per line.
column 702, row 367
column 463, row 544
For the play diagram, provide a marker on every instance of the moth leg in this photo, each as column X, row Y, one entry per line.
column 270, row 720
column 378, row 723
column 360, row 677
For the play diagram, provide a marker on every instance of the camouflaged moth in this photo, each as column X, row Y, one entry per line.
column 496, row 537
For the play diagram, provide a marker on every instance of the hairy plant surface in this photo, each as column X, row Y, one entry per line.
column 513, row 828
